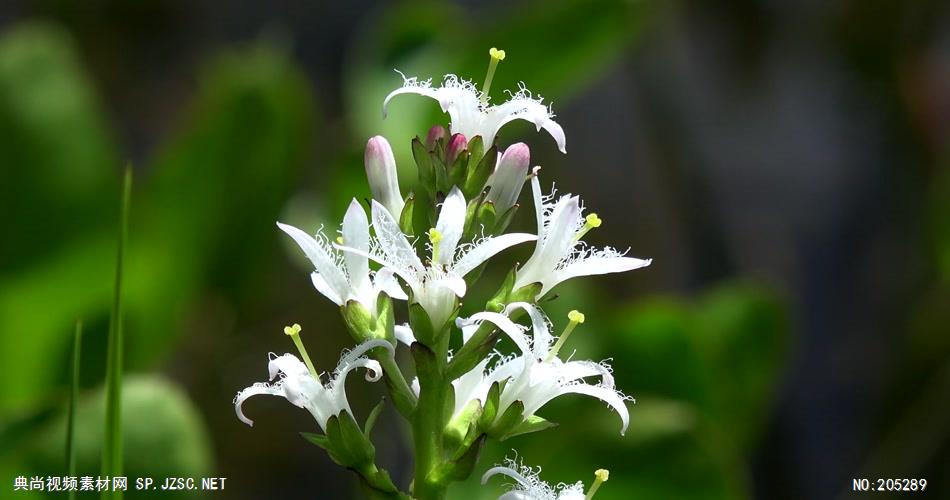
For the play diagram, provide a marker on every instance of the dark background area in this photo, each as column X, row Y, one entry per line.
column 783, row 162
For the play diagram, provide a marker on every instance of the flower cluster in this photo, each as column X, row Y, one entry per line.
column 427, row 247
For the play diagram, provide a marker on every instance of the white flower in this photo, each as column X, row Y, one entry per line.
column 470, row 113
column 299, row 386
column 529, row 486
column 341, row 276
column 559, row 253
column 537, row 375
column 434, row 286
column 508, row 178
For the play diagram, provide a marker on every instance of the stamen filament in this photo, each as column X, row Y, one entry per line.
column 590, row 222
column 496, row 55
column 294, row 333
column 576, row 318
column 601, row 476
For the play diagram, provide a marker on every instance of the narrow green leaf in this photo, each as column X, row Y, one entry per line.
column 371, row 419
column 112, row 438
column 533, row 423
column 71, row 417
column 317, row 439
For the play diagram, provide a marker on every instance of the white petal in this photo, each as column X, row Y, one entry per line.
column 510, row 328
column 451, row 223
column 254, row 390
column 324, row 288
column 506, row 471
column 404, row 334
column 356, row 235
column 486, row 249
column 574, row 370
column 382, row 174
column 539, row 326
column 459, row 98
column 604, row 394
column 288, row 364
column 385, row 282
column 595, row 265
column 525, row 108
column 321, row 259
column 454, row 283
column 393, row 242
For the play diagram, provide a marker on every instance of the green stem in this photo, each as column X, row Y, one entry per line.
column 73, row 398
column 429, row 419
column 112, row 440
column 399, row 391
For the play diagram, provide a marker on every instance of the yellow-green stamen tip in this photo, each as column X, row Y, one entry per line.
column 339, row 239
column 593, row 221
column 435, row 236
column 600, row 477
column 575, row 316
column 496, row 55
column 292, row 330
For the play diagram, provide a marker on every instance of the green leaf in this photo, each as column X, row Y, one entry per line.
column 421, row 325
column 317, row 439
column 360, row 448
column 479, row 173
column 406, row 217
column 490, row 410
column 511, row 418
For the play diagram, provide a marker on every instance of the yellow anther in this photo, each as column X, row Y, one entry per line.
column 292, row 330
column 435, row 237
column 593, row 220
column 575, row 316
column 496, row 55
column 600, row 477
column 339, row 239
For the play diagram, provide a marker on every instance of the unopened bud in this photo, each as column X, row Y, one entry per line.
column 435, row 133
column 457, row 144
column 381, row 173
column 509, row 177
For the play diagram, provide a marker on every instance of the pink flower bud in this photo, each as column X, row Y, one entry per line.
column 435, row 133
column 508, row 179
column 457, row 144
column 381, row 173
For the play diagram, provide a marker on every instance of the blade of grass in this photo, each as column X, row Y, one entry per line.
column 112, row 441
column 71, row 418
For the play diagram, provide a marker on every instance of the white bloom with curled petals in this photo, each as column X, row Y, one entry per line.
column 529, row 486
column 537, row 375
column 470, row 113
column 299, row 386
column 436, row 284
column 342, row 276
column 559, row 253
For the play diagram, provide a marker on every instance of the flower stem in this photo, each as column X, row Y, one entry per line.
column 429, row 419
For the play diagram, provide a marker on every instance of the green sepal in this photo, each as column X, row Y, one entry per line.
column 490, row 409
column 461, row 465
column 385, row 326
column 502, row 221
column 421, row 324
column 531, row 424
column 359, row 321
column 317, row 439
column 476, row 149
column 510, row 419
column 527, row 293
column 424, row 359
column 442, row 184
column 359, row 446
column 457, row 170
column 478, row 173
column 486, row 217
column 424, row 163
column 469, row 232
column 460, row 425
column 406, row 216
column 371, row 419
column 498, row 301
column 336, row 447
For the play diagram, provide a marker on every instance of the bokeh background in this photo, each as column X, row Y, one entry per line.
column 783, row 162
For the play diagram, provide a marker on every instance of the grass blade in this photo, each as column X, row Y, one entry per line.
column 71, row 418
column 112, row 441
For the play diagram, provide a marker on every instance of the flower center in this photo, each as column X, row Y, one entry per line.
column 601, row 476
column 576, row 317
column 294, row 333
column 496, row 55
column 590, row 222
column 435, row 237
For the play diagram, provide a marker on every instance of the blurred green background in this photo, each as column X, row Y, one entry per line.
column 784, row 163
